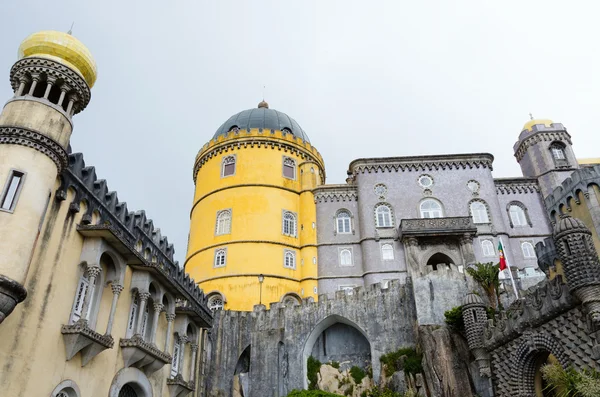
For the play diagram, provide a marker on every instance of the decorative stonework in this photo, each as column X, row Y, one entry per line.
column 380, row 191
column 541, row 136
column 422, row 163
column 79, row 337
column 37, row 141
column 516, row 186
column 437, row 226
column 178, row 387
column 330, row 194
column 11, row 294
column 143, row 355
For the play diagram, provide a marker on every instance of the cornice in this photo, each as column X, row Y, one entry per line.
column 516, row 185
column 422, row 163
column 35, row 140
column 335, row 193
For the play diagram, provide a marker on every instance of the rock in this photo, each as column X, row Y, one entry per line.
column 397, row 382
column 329, row 379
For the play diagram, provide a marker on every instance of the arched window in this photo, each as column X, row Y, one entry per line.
column 344, row 222
column 558, row 151
column 383, row 216
column 479, row 212
column 528, row 250
column 215, row 302
column 66, row 388
column 128, row 391
column 431, row 208
column 517, row 215
column 289, row 260
column 289, row 168
column 228, row 167
column 387, row 252
column 346, row 257
column 220, row 257
column 223, row 225
column 289, row 224
column 488, row 248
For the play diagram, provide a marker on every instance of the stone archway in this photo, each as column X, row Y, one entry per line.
column 439, row 260
column 346, row 341
column 241, row 374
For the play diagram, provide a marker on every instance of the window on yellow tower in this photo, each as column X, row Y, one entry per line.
column 220, row 257
column 228, row 167
column 289, row 168
column 289, row 259
column 289, row 224
column 223, row 225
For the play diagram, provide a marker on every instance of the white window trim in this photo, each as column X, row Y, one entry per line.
column 213, row 297
column 133, row 312
column 381, row 251
column 422, row 212
column 12, row 174
column 294, row 225
column 340, row 251
column 217, row 224
column 84, row 286
column 218, row 251
column 532, row 248
column 223, row 165
column 348, row 288
column 337, row 221
column 483, row 215
column 283, row 165
column 519, row 213
column 176, row 354
column 390, row 213
column 483, row 248
column 286, row 252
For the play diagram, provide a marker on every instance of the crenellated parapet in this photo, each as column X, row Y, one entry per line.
column 540, row 133
column 516, row 185
column 421, row 163
column 260, row 138
column 142, row 244
column 546, row 254
column 571, row 187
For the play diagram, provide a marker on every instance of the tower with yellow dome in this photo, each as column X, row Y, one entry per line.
column 51, row 82
column 253, row 236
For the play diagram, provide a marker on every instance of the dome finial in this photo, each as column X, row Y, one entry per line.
column 70, row 32
column 263, row 104
column 530, row 116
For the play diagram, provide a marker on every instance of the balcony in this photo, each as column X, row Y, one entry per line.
column 79, row 337
column 431, row 227
column 143, row 355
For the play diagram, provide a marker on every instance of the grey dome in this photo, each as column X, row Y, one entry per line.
column 262, row 117
column 472, row 299
column 569, row 224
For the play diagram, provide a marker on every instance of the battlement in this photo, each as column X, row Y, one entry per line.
column 546, row 254
column 134, row 230
column 540, row 133
column 569, row 189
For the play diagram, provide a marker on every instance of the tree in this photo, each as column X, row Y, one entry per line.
column 486, row 274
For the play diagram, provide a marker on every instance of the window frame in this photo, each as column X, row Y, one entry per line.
column 133, row 313
column 485, row 210
column 433, row 200
column 82, row 285
column 223, row 164
column 294, row 224
column 523, row 244
column 220, row 253
column 338, row 217
column 293, row 167
column 291, row 254
column 383, row 250
column 390, row 214
column 341, row 251
column 12, row 173
column 218, row 222
column 483, row 249
column 524, row 211
column 215, row 296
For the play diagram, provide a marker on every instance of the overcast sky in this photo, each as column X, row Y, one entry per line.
column 363, row 79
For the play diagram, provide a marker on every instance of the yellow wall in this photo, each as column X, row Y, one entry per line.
column 582, row 212
column 257, row 195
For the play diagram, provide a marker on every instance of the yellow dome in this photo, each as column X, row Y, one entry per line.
column 63, row 48
column 528, row 125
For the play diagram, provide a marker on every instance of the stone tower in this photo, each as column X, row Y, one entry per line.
column 253, row 236
column 580, row 263
column 51, row 81
column 475, row 318
column 544, row 151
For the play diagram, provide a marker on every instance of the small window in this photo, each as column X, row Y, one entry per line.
column 215, row 302
column 175, row 362
column 425, row 181
column 223, row 225
column 479, row 212
column 488, row 248
column 343, row 222
column 220, row 257
column 132, row 317
column 349, row 289
column 431, row 209
column 289, row 260
column 383, row 216
column 289, row 224
column 228, row 166
column 83, row 288
column 387, row 252
column 528, row 250
column 558, row 152
column 314, row 260
column 145, row 319
column 11, row 191
column 517, row 215
column 289, row 168
column 346, row 257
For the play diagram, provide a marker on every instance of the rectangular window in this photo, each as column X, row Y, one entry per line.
column 82, row 289
column 220, row 257
column 228, row 166
column 175, row 362
column 11, row 191
column 348, row 288
column 345, row 255
column 387, row 252
column 289, row 168
column 289, row 259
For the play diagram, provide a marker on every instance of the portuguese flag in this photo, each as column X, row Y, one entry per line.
column 502, row 257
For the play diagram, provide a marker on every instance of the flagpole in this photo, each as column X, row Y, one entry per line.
column 508, row 267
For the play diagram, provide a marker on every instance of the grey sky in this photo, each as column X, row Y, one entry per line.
column 363, row 79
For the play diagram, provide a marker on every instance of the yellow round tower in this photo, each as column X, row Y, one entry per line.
column 253, row 222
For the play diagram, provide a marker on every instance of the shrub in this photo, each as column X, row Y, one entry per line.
column 349, row 391
column 385, row 392
column 311, row 393
column 335, row 364
column 571, row 383
column 357, row 374
column 406, row 359
column 454, row 319
column 312, row 368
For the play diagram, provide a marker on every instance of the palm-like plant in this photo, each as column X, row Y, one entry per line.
column 486, row 274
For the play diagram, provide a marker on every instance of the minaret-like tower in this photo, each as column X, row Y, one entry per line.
column 475, row 318
column 253, row 236
column 544, row 151
column 580, row 263
column 51, row 81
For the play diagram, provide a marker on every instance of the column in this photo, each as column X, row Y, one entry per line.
column 49, row 84
column 194, row 347
column 170, row 319
column 466, row 248
column 141, row 309
column 183, row 340
column 72, row 100
column 22, row 81
column 411, row 246
column 36, row 79
column 93, row 271
column 116, row 290
column 158, row 307
column 63, row 92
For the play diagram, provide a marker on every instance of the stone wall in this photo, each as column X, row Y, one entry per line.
column 281, row 339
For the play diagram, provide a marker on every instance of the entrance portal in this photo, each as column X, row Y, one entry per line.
column 439, row 261
column 241, row 375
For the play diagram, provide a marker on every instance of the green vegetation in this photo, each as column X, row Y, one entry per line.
column 407, row 360
column 334, row 364
column 311, row 393
column 454, row 319
column 312, row 368
column 571, row 383
column 486, row 274
column 349, row 391
column 357, row 374
column 385, row 392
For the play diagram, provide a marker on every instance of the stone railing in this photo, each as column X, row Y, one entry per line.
column 437, row 226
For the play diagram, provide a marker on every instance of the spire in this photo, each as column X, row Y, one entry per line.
column 70, row 32
column 530, row 116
